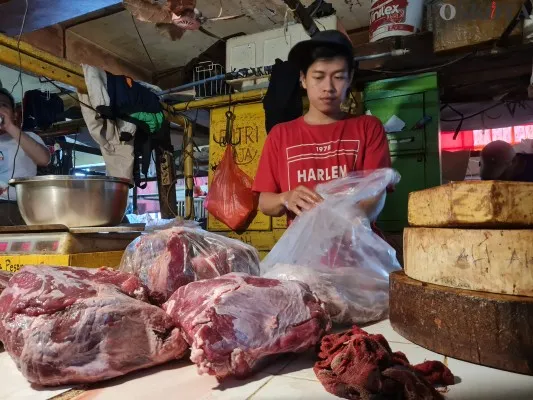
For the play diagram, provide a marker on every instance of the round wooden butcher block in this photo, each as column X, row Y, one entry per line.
column 489, row 329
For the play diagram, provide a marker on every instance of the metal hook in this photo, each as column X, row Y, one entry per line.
column 228, row 138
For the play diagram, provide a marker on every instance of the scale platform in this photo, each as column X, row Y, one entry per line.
column 58, row 245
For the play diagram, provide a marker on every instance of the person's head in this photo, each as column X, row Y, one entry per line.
column 496, row 158
column 7, row 104
column 326, row 69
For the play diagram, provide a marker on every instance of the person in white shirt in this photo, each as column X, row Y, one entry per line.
column 31, row 153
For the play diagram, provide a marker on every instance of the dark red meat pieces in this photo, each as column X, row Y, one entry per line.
column 357, row 365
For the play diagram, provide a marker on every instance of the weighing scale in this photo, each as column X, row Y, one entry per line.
column 90, row 247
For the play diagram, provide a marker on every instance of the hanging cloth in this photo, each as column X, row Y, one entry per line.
column 283, row 101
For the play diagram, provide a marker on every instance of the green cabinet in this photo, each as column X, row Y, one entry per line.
column 411, row 166
column 415, row 150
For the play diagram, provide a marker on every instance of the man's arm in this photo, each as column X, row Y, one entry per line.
column 296, row 201
column 266, row 181
column 38, row 153
column 377, row 156
column 272, row 204
column 376, row 152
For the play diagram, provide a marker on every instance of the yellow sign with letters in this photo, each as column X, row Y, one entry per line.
column 14, row 262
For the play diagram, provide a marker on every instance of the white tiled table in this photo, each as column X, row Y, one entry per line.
column 292, row 377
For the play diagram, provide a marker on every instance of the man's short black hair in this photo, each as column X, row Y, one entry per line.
column 326, row 53
column 5, row 92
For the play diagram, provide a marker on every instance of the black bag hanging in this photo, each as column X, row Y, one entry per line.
column 41, row 110
column 283, row 101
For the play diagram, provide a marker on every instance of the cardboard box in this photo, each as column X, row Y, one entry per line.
column 459, row 23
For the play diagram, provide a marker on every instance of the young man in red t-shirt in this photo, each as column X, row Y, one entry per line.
column 325, row 143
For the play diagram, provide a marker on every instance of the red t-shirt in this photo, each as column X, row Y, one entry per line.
column 296, row 153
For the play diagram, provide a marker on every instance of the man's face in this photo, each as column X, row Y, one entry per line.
column 327, row 82
column 6, row 110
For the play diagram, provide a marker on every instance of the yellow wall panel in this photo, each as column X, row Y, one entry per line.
column 279, row 223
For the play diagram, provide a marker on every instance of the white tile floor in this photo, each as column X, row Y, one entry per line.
column 291, row 377
column 282, row 387
column 14, row 386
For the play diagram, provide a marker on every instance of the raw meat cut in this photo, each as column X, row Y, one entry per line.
column 64, row 325
column 356, row 365
column 235, row 321
column 168, row 259
column 349, row 295
column 4, row 279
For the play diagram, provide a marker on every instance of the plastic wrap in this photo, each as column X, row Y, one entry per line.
column 154, row 224
column 333, row 249
column 167, row 259
column 230, row 198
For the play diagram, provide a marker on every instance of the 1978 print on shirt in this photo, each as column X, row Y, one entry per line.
column 313, row 163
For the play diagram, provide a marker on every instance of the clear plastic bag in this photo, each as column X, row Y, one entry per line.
column 333, row 249
column 154, row 224
column 167, row 259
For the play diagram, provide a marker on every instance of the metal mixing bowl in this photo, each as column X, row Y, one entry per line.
column 72, row 200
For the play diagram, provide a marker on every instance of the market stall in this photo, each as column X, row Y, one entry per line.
column 391, row 285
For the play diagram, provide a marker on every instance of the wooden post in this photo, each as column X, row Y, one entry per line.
column 166, row 177
column 188, row 171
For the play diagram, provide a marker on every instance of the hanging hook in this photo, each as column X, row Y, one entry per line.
column 230, row 118
column 228, row 137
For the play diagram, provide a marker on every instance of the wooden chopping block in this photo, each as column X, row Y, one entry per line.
column 473, row 203
column 493, row 330
column 488, row 260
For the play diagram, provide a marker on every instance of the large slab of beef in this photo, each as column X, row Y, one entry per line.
column 73, row 325
column 235, row 321
column 168, row 259
column 360, row 366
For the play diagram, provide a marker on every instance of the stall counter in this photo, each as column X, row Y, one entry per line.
column 291, row 377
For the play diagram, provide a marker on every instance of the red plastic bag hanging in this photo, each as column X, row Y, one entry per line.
column 230, row 198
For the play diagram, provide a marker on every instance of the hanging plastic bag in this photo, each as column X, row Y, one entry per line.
column 167, row 259
column 333, row 249
column 230, row 198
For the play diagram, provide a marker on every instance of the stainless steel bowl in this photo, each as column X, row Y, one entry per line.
column 72, row 200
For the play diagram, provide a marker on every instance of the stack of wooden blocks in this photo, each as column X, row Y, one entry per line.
column 467, row 288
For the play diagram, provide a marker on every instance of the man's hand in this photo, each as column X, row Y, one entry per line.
column 301, row 199
column 9, row 124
